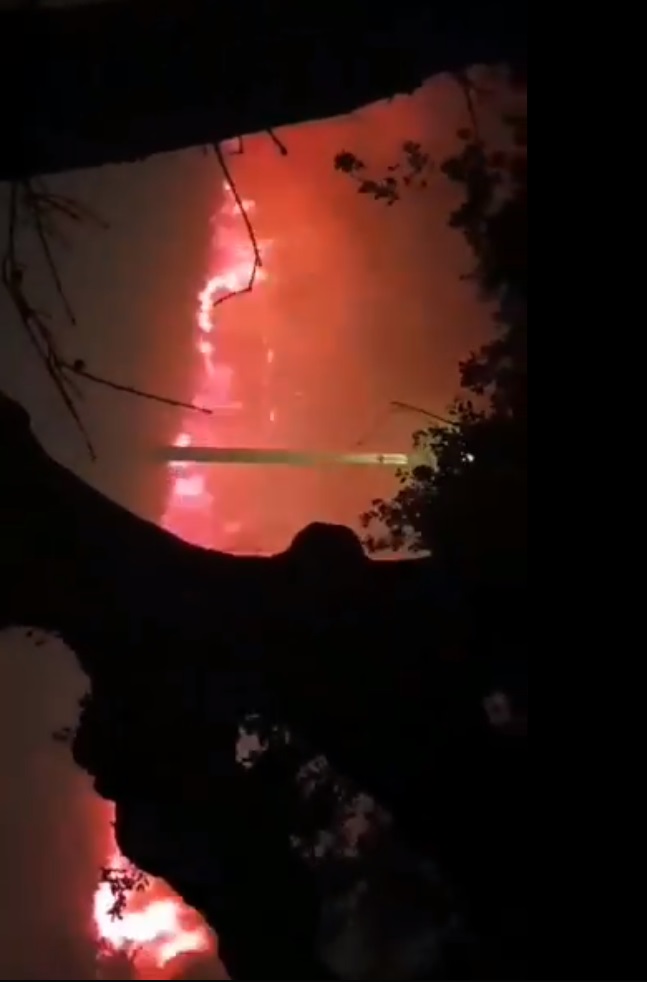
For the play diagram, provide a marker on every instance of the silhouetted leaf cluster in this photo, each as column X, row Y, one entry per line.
column 468, row 506
column 123, row 881
column 411, row 171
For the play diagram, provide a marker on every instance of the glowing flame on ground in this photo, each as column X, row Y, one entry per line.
column 156, row 927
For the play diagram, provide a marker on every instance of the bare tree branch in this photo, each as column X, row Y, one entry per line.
column 33, row 206
column 258, row 262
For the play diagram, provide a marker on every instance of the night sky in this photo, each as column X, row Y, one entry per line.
column 366, row 306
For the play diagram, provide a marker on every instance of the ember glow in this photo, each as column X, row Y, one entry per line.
column 156, row 928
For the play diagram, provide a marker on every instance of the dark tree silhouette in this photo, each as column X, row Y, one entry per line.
column 121, row 80
column 180, row 644
column 468, row 506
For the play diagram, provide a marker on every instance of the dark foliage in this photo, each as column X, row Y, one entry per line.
column 467, row 508
column 468, row 505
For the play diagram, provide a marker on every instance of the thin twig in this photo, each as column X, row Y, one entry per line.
column 37, row 332
column 280, row 146
column 468, row 88
column 258, row 262
column 78, row 368
column 47, row 252
column 423, row 412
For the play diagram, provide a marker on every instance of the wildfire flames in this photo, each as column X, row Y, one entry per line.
column 156, row 928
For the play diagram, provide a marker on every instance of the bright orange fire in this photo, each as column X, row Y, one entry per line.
column 157, row 928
